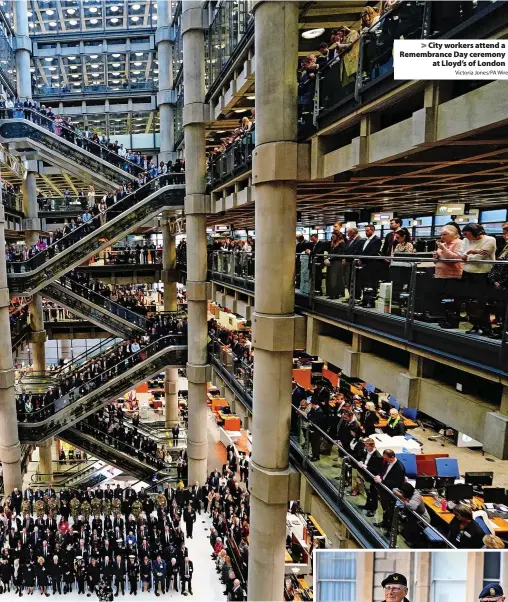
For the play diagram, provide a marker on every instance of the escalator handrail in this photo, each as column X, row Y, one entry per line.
column 155, row 345
column 144, row 430
column 81, row 229
column 65, row 476
column 48, row 120
column 87, row 353
column 122, row 443
column 130, row 315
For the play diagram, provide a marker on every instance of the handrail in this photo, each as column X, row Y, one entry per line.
column 103, row 302
column 50, row 124
column 89, row 353
column 387, row 491
column 85, row 229
column 73, row 396
column 89, row 430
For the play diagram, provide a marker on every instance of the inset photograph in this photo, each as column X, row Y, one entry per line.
column 403, row 576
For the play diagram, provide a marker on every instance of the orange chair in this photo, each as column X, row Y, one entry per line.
column 426, row 468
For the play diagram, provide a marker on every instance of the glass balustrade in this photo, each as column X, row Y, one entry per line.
column 114, row 223
column 72, row 144
column 108, row 454
column 236, row 159
column 87, row 302
column 414, row 297
column 83, row 400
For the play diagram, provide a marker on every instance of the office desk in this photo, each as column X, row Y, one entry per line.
column 398, row 444
column 500, row 524
column 409, row 424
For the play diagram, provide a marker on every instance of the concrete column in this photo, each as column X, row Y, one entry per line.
column 10, row 449
column 196, row 207
column 46, row 458
column 32, row 228
column 165, row 57
column 274, row 174
column 170, row 304
column 23, row 49
column 65, row 349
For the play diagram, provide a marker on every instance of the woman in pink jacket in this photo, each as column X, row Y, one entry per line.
column 448, row 274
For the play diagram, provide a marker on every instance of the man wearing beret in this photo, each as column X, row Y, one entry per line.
column 395, row 588
column 492, row 592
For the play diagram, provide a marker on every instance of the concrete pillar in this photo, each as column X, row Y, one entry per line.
column 165, row 57
column 274, row 174
column 170, row 304
column 46, row 458
column 10, row 449
column 65, row 349
column 32, row 228
column 196, row 207
column 23, row 49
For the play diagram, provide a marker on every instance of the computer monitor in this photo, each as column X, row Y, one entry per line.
column 479, row 478
column 444, row 482
column 424, row 483
column 455, row 493
column 494, row 495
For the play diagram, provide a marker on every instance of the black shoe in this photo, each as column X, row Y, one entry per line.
column 474, row 330
column 380, row 525
column 370, row 513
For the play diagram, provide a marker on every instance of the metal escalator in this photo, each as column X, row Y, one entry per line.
column 99, row 310
column 30, row 276
column 166, row 352
column 24, row 135
column 70, row 477
column 123, row 460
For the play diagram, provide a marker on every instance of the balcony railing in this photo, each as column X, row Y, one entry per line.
column 400, row 297
column 337, row 474
column 236, row 159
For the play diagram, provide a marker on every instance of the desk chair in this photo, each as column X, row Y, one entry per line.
column 482, row 518
column 409, row 461
column 393, row 402
column 434, row 539
column 426, row 468
column 447, row 467
column 411, row 413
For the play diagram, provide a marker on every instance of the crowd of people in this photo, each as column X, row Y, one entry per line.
column 108, row 426
column 77, row 381
column 126, row 295
column 96, row 214
column 108, row 538
column 242, row 139
column 464, row 273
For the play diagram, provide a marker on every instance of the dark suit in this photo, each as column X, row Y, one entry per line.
column 388, row 244
column 371, row 269
column 394, row 479
column 318, row 248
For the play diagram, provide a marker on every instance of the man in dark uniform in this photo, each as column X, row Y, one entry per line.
column 317, row 418
column 395, row 588
column 492, row 592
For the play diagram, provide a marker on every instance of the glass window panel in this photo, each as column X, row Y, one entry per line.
column 449, row 575
column 493, row 215
column 336, row 576
column 441, row 220
column 119, row 124
column 491, row 567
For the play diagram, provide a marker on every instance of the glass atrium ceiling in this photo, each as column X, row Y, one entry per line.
column 60, row 17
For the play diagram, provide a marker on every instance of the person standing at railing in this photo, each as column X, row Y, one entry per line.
column 392, row 476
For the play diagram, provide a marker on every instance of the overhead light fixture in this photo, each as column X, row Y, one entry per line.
column 114, row 20
column 251, row 97
column 77, row 83
column 39, row 85
column 52, row 68
column 239, row 110
column 93, row 9
column 52, row 24
column 115, row 64
column 73, row 66
column 116, row 55
column 136, row 72
column 50, row 12
column 32, row 69
column 136, row 7
column 115, row 81
column 31, row 25
column 113, row 9
column 94, row 65
column 71, row 58
column 134, row 18
column 154, row 17
column 30, row 13
column 73, row 22
column 71, row 11
column 310, row 34
column 55, row 77
column 139, row 53
column 75, row 75
column 93, row 21
column 49, row 59
column 115, row 73
column 94, row 56
column 138, row 64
